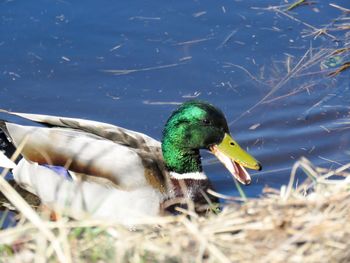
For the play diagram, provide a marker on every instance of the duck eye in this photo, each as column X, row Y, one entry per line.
column 206, row 121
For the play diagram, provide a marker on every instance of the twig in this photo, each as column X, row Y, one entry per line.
column 246, row 71
column 317, row 32
column 283, row 81
column 295, row 4
column 343, row 67
column 225, row 197
column 191, row 42
column 290, row 93
column 340, row 8
column 223, row 43
column 129, row 71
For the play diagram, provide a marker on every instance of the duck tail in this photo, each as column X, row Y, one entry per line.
column 6, row 146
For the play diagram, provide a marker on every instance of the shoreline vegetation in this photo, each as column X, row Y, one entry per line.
column 307, row 223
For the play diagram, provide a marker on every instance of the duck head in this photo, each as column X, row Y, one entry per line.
column 199, row 125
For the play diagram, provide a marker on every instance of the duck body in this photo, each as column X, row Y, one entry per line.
column 117, row 173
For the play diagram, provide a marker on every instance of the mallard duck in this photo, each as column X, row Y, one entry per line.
column 89, row 168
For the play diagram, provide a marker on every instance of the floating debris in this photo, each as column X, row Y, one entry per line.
column 253, row 127
column 116, row 47
column 227, row 38
column 198, row 14
column 331, row 62
column 142, row 18
column 298, row 3
column 147, row 102
column 191, row 96
column 65, row 58
column 129, row 71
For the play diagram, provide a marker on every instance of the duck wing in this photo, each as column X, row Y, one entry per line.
column 80, row 152
column 128, row 159
column 111, row 132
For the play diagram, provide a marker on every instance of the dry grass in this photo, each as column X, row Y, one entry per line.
column 308, row 224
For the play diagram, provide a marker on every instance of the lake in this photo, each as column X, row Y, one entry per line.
column 130, row 63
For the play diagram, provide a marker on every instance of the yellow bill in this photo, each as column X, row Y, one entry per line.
column 235, row 159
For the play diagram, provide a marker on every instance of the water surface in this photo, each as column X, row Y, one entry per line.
column 55, row 54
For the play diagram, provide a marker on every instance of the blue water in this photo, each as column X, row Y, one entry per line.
column 55, row 57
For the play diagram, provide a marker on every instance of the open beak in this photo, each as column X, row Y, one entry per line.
column 235, row 159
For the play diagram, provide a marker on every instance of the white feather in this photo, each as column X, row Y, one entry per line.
column 194, row 175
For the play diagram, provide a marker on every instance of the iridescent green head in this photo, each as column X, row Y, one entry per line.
column 199, row 125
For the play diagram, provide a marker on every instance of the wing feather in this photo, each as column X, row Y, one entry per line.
column 105, row 130
column 80, row 152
